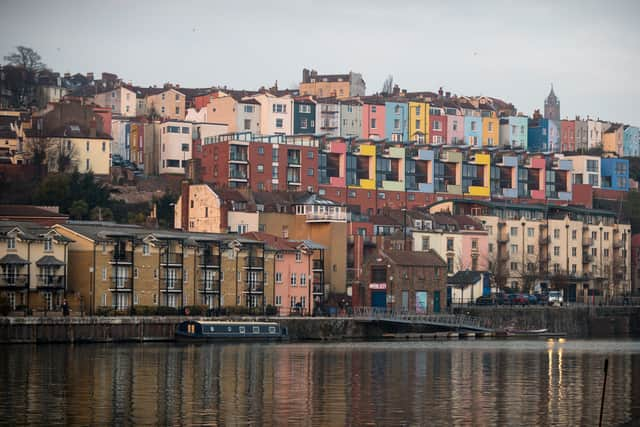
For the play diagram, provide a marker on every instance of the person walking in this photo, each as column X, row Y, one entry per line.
column 65, row 308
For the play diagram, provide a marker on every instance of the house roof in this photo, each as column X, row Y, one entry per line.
column 49, row 260
column 28, row 211
column 13, row 259
column 464, row 277
column 410, row 258
column 75, row 130
column 29, row 230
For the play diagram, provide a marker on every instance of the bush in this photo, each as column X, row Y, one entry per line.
column 196, row 310
column 105, row 311
column 271, row 310
column 144, row 310
column 5, row 308
column 167, row 311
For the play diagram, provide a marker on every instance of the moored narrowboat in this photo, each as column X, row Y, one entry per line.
column 202, row 330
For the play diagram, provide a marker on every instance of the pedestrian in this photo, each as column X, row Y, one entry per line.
column 65, row 308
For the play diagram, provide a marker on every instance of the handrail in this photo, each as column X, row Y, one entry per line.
column 454, row 320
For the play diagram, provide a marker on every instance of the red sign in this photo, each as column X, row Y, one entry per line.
column 378, row 286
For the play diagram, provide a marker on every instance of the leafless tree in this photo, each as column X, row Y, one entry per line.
column 387, row 86
column 26, row 58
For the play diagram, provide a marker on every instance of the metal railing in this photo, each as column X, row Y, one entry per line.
column 460, row 321
column 15, row 280
column 50, row 281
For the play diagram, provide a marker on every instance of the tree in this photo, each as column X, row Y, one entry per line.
column 100, row 214
column 26, row 58
column 387, row 86
column 79, row 209
column 65, row 156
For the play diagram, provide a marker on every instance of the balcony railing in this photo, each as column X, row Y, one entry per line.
column 209, row 286
column 293, row 161
column 171, row 258
column 327, row 216
column 254, row 288
column 503, row 238
column 318, row 265
column 238, row 157
column 209, row 261
column 120, row 284
column 587, row 258
column 544, row 240
column 587, row 241
column 234, row 174
column 170, row 284
column 617, row 244
column 121, row 257
column 50, row 281
column 14, row 281
column 318, row 289
column 254, row 263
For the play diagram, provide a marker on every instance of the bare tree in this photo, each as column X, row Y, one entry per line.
column 26, row 58
column 387, row 86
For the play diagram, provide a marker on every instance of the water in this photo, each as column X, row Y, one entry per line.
column 483, row 382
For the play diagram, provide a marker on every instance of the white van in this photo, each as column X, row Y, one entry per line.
column 555, row 298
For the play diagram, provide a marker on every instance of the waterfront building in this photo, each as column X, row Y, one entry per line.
column 490, row 127
column 568, row 132
column 304, row 115
column 332, row 85
column 466, row 286
column 586, row 169
column 350, row 118
column 396, row 120
column 439, row 126
column 328, row 116
column 276, row 113
column 595, row 129
column 234, row 108
column 614, row 174
column 635, row 263
column 33, row 265
column 166, row 102
column 117, row 266
column 631, row 141
column 543, row 135
column 419, row 122
column 298, row 273
column 405, row 281
column 373, row 117
column 581, row 135
column 74, row 146
column 613, row 139
column 584, row 252
column 42, row 215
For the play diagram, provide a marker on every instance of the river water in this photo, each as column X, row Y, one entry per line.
column 475, row 382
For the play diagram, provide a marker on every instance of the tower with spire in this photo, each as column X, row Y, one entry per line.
column 552, row 106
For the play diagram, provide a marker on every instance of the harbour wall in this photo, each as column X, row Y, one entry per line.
column 577, row 322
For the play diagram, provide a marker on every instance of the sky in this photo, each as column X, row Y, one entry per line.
column 513, row 50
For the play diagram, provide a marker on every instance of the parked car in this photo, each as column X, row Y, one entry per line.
column 500, row 298
column 533, row 300
column 555, row 298
column 485, row 300
column 543, row 299
column 518, row 299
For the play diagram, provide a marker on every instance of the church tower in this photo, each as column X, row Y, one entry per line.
column 552, row 106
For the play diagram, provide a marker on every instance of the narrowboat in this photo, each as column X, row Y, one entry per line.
column 203, row 330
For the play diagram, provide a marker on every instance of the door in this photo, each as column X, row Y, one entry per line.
column 436, row 301
column 421, row 302
column 379, row 299
column 405, row 301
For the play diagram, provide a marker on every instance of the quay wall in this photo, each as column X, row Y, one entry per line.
column 577, row 322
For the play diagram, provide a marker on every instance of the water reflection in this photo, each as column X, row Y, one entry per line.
column 444, row 383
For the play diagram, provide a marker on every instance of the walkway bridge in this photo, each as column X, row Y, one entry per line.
column 458, row 322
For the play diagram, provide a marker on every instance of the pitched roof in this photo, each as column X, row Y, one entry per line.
column 75, row 130
column 13, row 259
column 466, row 277
column 410, row 258
column 49, row 260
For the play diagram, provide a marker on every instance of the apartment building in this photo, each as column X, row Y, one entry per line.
column 121, row 100
column 584, row 252
column 33, row 266
column 332, row 85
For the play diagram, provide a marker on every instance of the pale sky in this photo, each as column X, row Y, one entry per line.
column 589, row 50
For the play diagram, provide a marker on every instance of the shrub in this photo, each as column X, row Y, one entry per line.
column 196, row 310
column 105, row 311
column 167, row 311
column 144, row 310
column 271, row 310
column 5, row 307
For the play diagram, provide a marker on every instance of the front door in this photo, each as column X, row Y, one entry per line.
column 436, row 301
column 379, row 299
column 405, row 301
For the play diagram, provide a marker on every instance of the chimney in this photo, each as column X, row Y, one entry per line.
column 305, row 75
column 185, row 204
column 314, row 74
column 447, row 95
column 90, row 76
column 440, row 92
column 396, row 90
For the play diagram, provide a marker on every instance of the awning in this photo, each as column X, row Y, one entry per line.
column 49, row 260
column 13, row 259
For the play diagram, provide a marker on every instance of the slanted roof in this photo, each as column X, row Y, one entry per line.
column 21, row 211
column 464, row 277
column 49, row 260
column 410, row 258
column 13, row 259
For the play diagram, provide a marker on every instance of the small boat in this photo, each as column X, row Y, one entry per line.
column 202, row 330
column 513, row 331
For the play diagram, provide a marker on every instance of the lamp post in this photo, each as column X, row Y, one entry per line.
column 404, row 228
column 172, row 207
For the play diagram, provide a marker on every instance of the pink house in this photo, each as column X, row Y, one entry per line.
column 373, row 118
column 537, row 173
column 455, row 129
column 298, row 274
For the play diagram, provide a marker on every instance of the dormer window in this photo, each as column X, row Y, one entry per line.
column 47, row 245
column 11, row 243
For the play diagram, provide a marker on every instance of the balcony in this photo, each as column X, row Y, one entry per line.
column 293, row 161
column 170, row 284
column 254, row 288
column 14, row 281
column 121, row 257
column 318, row 289
column 171, row 258
column 238, row 157
column 209, row 261
column 617, row 243
column 254, row 263
column 544, row 240
column 209, row 286
column 318, row 265
column 50, row 281
column 333, row 216
column 587, row 258
column 238, row 175
column 587, row 241
column 503, row 238
column 120, row 284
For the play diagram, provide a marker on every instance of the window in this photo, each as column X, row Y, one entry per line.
column 373, row 109
column 135, row 273
column 450, row 264
column 474, row 244
column 606, row 235
column 437, row 125
column 425, row 244
column 47, row 245
column 303, row 123
column 605, row 252
column 396, row 123
column 309, row 154
column 185, row 147
column 298, row 256
column 145, row 249
column 304, row 108
column 279, row 108
column 418, row 124
column 514, row 266
column 11, row 243
column 556, row 233
column 87, row 145
column 574, row 252
column 373, row 123
column 88, row 165
column 260, row 168
column 490, row 127
column 310, row 172
column 104, row 146
column 574, row 235
column 293, row 279
column 530, row 232
column 418, row 110
column 177, row 110
column 104, row 273
column 556, row 251
column 248, row 109
column 490, row 247
column 530, row 249
column 474, row 125
column 556, row 268
column 449, row 244
column 514, row 231
column 279, row 256
column 303, row 279
column 514, row 249
column 278, row 277
column 278, row 300
column 279, row 123
column 247, row 124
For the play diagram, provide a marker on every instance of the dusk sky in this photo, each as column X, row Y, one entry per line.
column 589, row 50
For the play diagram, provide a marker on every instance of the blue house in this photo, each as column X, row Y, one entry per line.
column 543, row 136
column 397, row 121
column 304, row 116
column 473, row 131
column 631, row 141
column 614, row 174
column 514, row 131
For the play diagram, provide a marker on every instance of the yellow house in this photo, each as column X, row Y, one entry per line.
column 166, row 102
column 33, row 264
column 483, row 162
column 419, row 121
column 490, row 131
column 366, row 158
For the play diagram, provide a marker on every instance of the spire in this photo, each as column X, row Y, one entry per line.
column 551, row 93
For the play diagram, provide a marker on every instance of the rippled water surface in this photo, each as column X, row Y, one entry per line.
column 480, row 382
